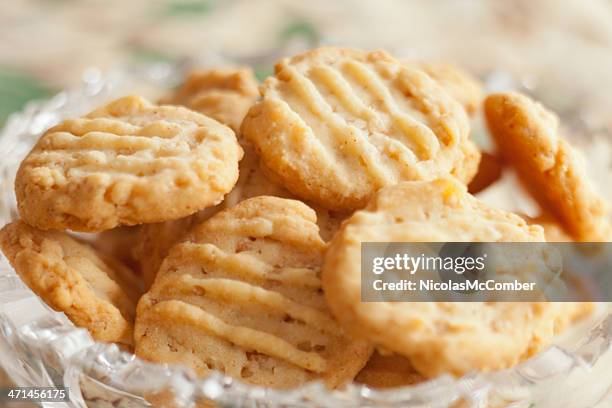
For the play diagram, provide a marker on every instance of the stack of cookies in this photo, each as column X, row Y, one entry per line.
column 229, row 219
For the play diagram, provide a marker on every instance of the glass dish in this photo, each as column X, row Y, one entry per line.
column 40, row 347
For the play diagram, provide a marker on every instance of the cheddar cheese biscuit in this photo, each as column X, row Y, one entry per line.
column 242, row 295
column 130, row 162
column 527, row 136
column 336, row 124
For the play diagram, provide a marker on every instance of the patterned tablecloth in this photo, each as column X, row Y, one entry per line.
column 562, row 47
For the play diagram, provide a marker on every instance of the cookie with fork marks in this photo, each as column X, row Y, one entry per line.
column 242, row 295
column 129, row 162
column 335, row 125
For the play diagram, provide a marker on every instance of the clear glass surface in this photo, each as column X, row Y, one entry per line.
column 40, row 347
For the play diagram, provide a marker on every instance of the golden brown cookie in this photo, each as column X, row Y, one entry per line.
column 127, row 163
column 223, row 94
column 388, row 371
column 242, row 294
column 336, row 124
column 458, row 83
column 527, row 136
column 437, row 337
column 95, row 291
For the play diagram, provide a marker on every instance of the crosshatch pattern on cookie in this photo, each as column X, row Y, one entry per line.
column 111, row 167
column 247, row 280
column 337, row 124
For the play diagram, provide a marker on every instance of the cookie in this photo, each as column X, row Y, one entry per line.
column 242, row 295
column 437, row 337
column 223, row 94
column 95, row 291
column 459, row 84
column 130, row 162
column 155, row 240
column 388, row 371
column 335, row 125
column 527, row 136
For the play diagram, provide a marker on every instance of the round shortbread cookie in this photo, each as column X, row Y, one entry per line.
column 527, row 136
column 437, row 337
column 94, row 290
column 335, row 125
column 127, row 163
column 223, row 94
column 242, row 294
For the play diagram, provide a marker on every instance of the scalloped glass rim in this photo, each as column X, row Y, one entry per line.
column 41, row 347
